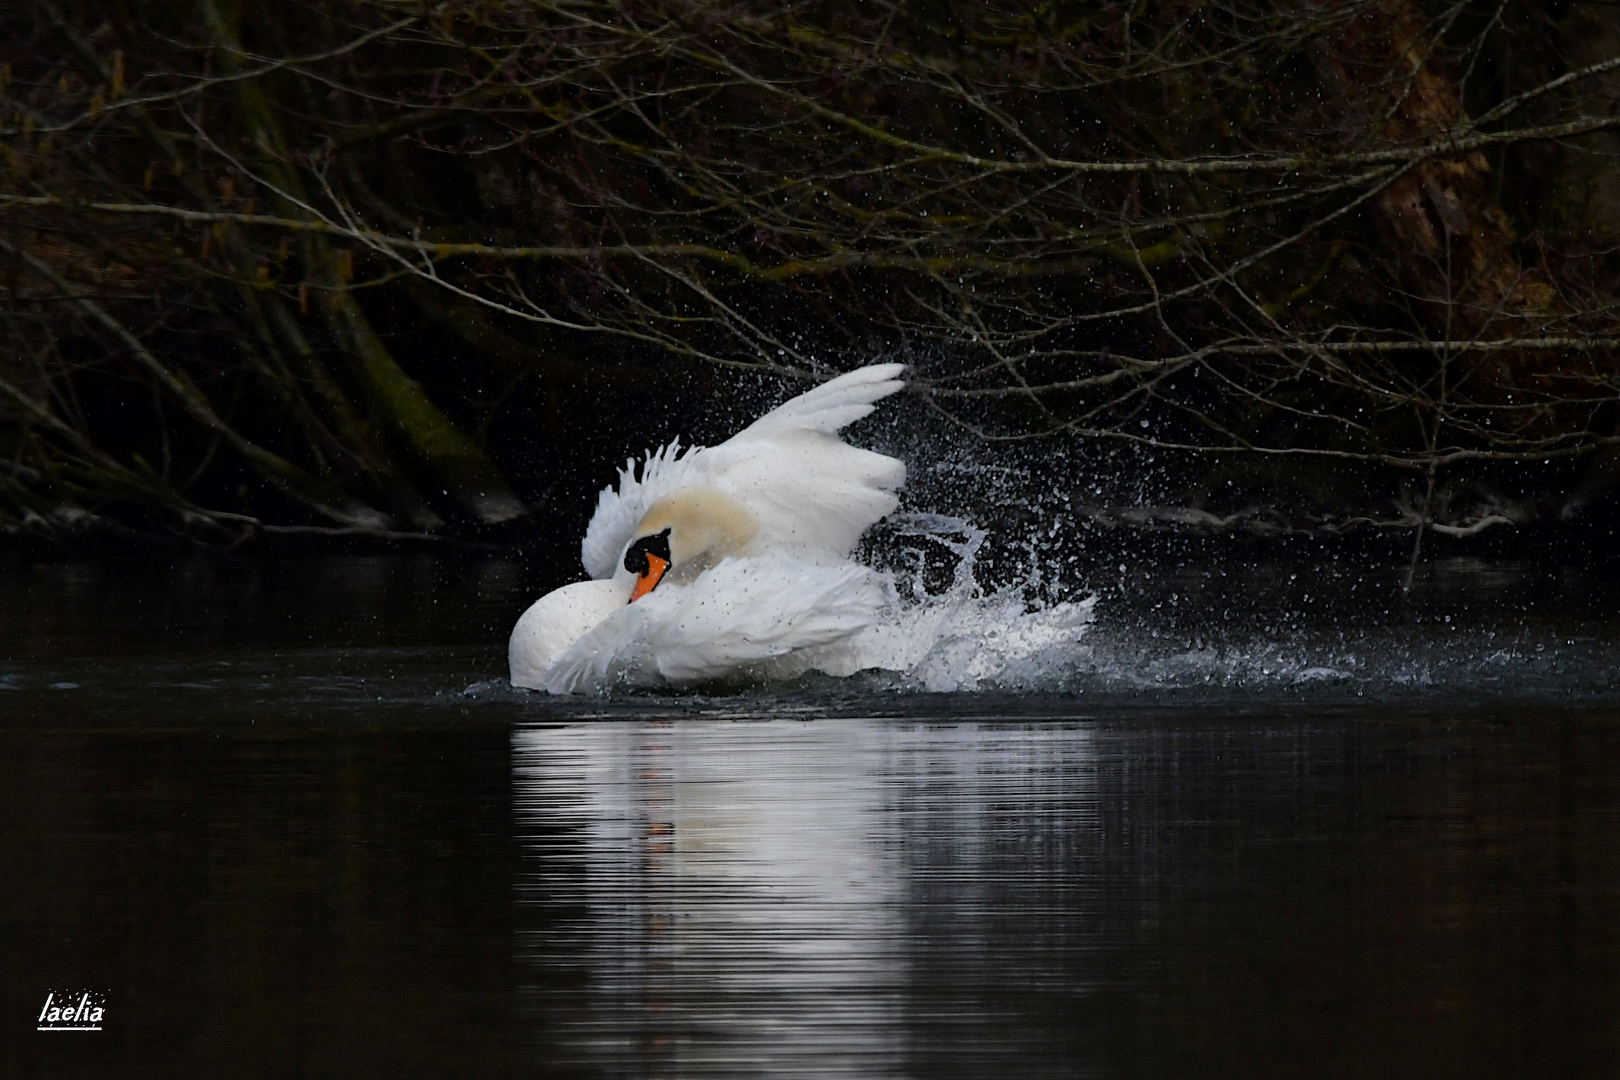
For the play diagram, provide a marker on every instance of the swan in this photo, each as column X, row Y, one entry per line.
column 725, row 558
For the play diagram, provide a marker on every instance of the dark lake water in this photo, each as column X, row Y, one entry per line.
column 284, row 820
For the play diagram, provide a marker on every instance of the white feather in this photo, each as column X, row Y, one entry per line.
column 741, row 613
column 557, row 620
column 832, row 406
column 812, row 493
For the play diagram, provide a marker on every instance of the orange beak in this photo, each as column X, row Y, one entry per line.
column 649, row 580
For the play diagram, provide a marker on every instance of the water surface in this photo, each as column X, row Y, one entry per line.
column 286, row 818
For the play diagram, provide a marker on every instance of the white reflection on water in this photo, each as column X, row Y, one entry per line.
column 744, row 897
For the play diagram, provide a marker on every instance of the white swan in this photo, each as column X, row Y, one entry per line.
column 725, row 558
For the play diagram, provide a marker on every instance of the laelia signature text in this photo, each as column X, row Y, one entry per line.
column 67, row 1014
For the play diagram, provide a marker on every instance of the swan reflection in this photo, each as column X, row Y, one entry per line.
column 752, row 897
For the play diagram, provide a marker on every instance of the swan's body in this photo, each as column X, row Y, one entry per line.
column 717, row 560
column 556, row 621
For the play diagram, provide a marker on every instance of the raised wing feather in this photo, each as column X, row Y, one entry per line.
column 830, row 407
column 813, row 493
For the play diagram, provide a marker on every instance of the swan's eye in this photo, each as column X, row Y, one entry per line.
column 647, row 558
column 635, row 558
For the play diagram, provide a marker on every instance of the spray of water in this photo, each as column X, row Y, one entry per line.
column 963, row 637
column 1047, row 603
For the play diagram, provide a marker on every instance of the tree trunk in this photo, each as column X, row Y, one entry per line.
column 445, row 456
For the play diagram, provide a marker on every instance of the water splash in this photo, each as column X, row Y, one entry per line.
column 1212, row 628
column 963, row 637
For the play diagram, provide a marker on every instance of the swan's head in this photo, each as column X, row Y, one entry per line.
column 683, row 534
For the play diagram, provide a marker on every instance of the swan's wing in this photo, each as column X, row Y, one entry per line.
column 830, row 407
column 813, row 493
column 619, row 512
column 741, row 613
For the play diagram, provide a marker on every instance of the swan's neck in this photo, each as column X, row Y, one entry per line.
column 705, row 527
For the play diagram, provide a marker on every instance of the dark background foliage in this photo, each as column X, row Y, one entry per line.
column 425, row 268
